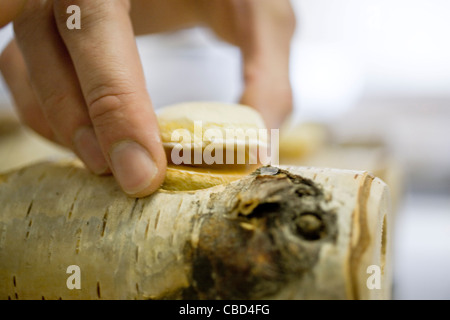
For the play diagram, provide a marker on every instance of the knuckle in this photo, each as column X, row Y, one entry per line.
column 109, row 107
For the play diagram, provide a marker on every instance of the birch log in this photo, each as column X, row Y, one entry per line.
column 279, row 233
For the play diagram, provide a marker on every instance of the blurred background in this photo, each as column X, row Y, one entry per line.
column 371, row 81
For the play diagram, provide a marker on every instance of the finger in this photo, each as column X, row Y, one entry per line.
column 16, row 77
column 273, row 99
column 152, row 16
column 112, row 81
column 264, row 40
column 10, row 9
column 55, row 84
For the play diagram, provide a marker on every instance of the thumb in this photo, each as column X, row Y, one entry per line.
column 9, row 10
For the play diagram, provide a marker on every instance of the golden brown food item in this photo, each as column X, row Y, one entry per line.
column 209, row 143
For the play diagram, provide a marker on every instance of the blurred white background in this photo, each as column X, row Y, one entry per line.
column 369, row 69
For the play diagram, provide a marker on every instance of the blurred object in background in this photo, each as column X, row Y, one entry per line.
column 401, row 46
column 392, row 111
column 327, row 80
column 299, row 141
column 313, row 145
column 415, row 130
column 21, row 146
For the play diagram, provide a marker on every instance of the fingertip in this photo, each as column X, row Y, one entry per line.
column 88, row 149
column 152, row 187
column 136, row 170
column 157, row 180
column 273, row 100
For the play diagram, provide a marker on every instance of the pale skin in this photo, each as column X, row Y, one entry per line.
column 85, row 89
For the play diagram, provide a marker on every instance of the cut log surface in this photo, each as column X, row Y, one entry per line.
column 278, row 233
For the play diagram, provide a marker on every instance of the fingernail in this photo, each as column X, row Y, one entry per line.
column 88, row 149
column 132, row 166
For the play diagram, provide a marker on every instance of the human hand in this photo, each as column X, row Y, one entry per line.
column 85, row 88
